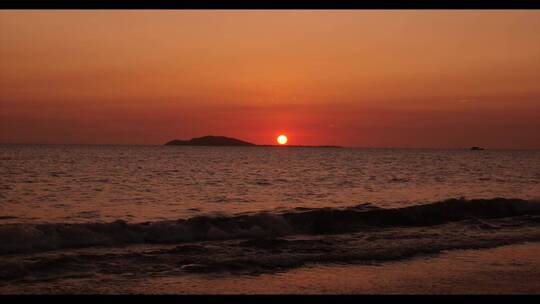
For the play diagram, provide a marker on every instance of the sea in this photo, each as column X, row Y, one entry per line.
column 97, row 218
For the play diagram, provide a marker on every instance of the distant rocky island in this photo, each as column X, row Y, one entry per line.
column 211, row 140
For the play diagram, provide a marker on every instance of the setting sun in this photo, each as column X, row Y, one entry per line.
column 282, row 139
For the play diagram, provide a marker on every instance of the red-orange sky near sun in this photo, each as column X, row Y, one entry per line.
column 443, row 79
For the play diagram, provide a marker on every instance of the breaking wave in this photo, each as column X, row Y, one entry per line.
column 26, row 238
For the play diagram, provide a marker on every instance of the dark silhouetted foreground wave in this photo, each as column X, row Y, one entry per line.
column 260, row 243
column 26, row 238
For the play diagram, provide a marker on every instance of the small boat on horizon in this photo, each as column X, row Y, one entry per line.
column 476, row 149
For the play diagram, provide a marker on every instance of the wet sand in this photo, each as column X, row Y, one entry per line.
column 507, row 269
column 512, row 269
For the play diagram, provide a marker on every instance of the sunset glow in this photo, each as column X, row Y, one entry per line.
column 282, row 139
column 356, row 78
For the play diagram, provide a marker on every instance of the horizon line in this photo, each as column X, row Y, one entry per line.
column 269, row 146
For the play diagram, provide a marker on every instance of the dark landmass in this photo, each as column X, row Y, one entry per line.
column 296, row 146
column 476, row 149
column 229, row 141
column 210, row 141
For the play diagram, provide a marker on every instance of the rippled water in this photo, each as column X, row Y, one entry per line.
column 79, row 216
column 78, row 183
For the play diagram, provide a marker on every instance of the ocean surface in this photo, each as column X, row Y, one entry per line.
column 78, row 184
column 73, row 213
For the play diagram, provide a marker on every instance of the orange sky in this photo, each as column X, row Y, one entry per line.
column 443, row 79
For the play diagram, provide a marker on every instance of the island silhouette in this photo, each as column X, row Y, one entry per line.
column 211, row 140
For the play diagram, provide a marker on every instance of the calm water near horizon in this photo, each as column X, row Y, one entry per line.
column 85, row 183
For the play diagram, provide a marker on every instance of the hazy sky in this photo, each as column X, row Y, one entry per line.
column 354, row 78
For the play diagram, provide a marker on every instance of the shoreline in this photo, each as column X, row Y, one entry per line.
column 508, row 269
